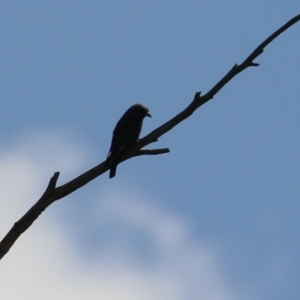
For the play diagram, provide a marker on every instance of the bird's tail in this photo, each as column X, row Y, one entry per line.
column 113, row 170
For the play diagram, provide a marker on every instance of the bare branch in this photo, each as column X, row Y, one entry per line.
column 152, row 151
column 53, row 193
column 25, row 222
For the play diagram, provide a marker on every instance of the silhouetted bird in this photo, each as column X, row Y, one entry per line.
column 126, row 134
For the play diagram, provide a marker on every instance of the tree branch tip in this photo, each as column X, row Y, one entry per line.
column 52, row 183
column 153, row 151
column 56, row 174
column 253, row 64
column 197, row 96
column 55, row 177
column 166, row 150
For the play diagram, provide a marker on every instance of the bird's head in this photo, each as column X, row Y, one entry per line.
column 141, row 110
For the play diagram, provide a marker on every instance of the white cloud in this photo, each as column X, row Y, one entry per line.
column 43, row 264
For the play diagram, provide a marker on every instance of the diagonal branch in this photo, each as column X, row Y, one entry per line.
column 200, row 100
column 33, row 213
column 53, row 193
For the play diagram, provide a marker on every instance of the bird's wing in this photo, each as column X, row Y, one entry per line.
column 109, row 155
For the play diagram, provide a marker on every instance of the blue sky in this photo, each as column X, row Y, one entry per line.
column 218, row 217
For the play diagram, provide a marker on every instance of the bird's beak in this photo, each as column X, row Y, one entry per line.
column 148, row 115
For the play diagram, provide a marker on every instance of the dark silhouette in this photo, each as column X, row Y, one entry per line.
column 126, row 134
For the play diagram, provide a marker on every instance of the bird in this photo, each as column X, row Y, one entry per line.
column 126, row 134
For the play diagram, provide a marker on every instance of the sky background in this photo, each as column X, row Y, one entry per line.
column 217, row 217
